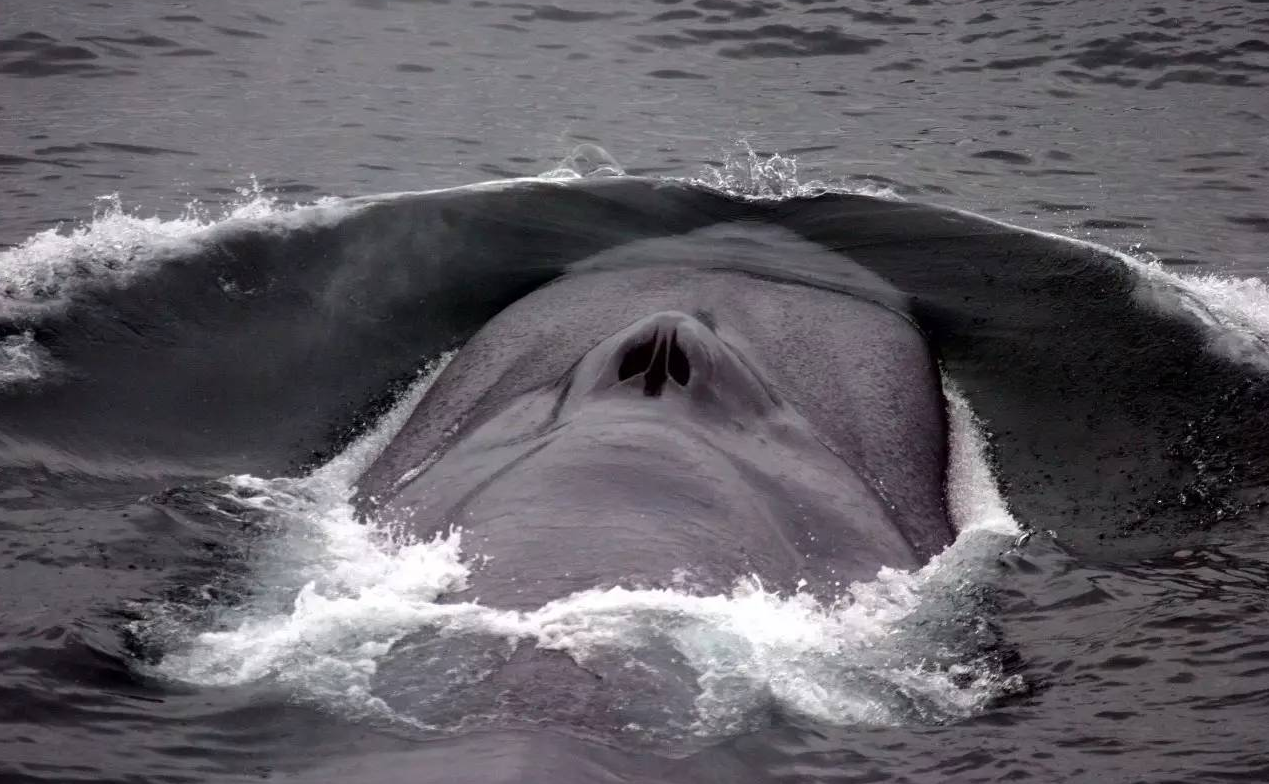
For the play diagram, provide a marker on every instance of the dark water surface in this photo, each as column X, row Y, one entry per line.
column 1142, row 126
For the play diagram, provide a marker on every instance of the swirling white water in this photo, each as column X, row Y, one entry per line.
column 333, row 597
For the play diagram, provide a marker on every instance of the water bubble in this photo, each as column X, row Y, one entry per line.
column 585, row 160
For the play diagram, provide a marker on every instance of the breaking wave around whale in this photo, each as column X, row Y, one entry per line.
column 119, row 245
column 332, row 597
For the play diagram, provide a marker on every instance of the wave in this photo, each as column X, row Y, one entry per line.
column 747, row 174
column 23, row 360
column 117, row 245
column 339, row 608
column 263, row 340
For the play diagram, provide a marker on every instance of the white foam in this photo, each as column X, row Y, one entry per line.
column 1233, row 311
column 117, row 245
column 23, row 361
column 585, row 160
column 746, row 174
column 343, row 578
column 334, row 596
column 973, row 497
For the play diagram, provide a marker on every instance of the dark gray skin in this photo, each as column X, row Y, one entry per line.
column 677, row 427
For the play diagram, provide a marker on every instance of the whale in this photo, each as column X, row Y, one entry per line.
column 649, row 425
column 662, row 426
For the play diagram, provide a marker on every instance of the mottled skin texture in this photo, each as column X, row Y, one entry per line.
column 803, row 439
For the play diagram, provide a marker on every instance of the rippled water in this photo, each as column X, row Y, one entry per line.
column 1142, row 123
column 1143, row 126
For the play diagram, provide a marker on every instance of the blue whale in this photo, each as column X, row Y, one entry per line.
column 649, row 426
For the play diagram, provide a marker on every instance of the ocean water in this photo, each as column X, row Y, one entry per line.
column 188, row 595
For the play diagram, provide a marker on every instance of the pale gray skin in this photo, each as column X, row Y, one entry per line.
column 793, row 433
